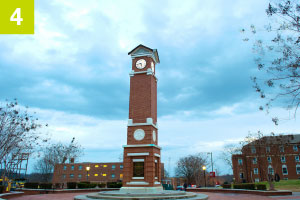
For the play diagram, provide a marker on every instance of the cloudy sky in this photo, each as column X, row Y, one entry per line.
column 74, row 73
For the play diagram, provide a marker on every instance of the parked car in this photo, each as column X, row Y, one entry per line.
column 180, row 187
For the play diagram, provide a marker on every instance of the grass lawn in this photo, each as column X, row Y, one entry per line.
column 293, row 185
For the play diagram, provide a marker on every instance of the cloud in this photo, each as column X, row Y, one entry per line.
column 74, row 72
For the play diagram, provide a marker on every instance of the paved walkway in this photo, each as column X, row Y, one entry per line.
column 212, row 196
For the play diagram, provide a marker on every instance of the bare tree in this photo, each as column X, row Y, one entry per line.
column 228, row 151
column 278, row 58
column 190, row 168
column 57, row 153
column 18, row 134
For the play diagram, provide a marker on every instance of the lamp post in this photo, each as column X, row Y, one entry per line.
column 204, row 168
column 87, row 172
column 211, row 160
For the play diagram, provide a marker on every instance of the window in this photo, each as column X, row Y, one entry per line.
column 80, row 167
column 254, row 160
column 255, row 170
column 72, row 167
column 113, row 166
column 297, row 159
column 285, row 178
column 253, row 150
column 283, row 159
column 103, row 174
column 121, row 166
column 96, row 166
column 269, row 159
column 240, row 161
column 95, row 174
column 242, row 175
column 268, row 149
column 156, row 169
column 270, row 170
column 138, row 169
column 64, row 176
column 121, row 176
column 104, row 165
column 298, row 169
column 256, row 180
column 65, row 167
column 295, row 148
column 281, row 148
column 113, row 175
column 284, row 170
column 71, row 175
column 79, row 176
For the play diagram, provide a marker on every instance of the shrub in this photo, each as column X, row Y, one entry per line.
column 101, row 185
column 71, row 185
column 237, row 186
column 114, row 185
column 82, row 185
column 261, row 187
column 2, row 188
column 57, row 185
column 247, row 186
column 45, row 185
column 92, row 185
column 226, row 186
column 31, row 185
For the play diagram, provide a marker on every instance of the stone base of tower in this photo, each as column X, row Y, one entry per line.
column 145, row 190
column 166, row 194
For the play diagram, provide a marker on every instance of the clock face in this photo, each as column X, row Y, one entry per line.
column 152, row 66
column 139, row 134
column 140, row 64
column 154, row 136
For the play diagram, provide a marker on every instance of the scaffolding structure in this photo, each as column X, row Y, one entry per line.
column 17, row 166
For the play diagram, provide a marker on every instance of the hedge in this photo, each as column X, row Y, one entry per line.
column 86, row 185
column 57, row 185
column 101, row 185
column 226, row 186
column 45, row 185
column 2, row 188
column 71, row 185
column 114, row 185
column 247, row 186
column 81, row 185
column 31, row 185
column 261, row 187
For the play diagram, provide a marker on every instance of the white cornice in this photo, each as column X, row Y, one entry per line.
column 142, row 145
column 149, row 122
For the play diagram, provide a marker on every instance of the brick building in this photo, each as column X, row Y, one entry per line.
column 268, row 156
column 98, row 172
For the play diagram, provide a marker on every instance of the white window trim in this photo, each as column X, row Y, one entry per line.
column 284, row 166
column 138, row 160
column 295, row 149
column 138, row 178
column 298, row 172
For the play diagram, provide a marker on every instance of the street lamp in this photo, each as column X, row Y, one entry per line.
column 204, row 168
column 87, row 172
column 211, row 160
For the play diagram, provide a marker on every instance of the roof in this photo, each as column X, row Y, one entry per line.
column 142, row 50
column 278, row 139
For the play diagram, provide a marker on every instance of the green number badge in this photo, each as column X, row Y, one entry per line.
column 16, row 16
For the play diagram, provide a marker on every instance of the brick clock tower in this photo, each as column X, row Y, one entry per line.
column 142, row 162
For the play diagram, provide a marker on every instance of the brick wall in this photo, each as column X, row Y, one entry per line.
column 255, row 164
